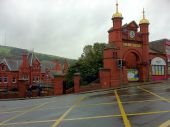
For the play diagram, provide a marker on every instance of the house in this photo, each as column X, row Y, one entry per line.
column 30, row 68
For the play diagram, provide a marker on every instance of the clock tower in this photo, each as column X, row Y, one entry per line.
column 126, row 58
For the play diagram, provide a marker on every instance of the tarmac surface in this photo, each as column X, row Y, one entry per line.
column 137, row 106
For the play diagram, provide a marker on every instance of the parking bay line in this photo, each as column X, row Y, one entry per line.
column 87, row 118
column 152, row 93
column 165, row 124
column 85, row 105
column 18, row 115
column 124, row 116
column 58, row 121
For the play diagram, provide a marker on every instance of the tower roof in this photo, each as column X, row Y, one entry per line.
column 144, row 20
column 117, row 14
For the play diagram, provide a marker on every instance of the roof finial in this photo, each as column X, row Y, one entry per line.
column 143, row 13
column 117, row 14
column 144, row 20
column 117, row 6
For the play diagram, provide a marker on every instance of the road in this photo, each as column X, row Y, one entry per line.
column 138, row 106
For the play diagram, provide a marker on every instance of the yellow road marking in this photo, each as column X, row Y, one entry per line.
column 129, row 95
column 84, row 105
column 58, row 121
column 166, row 124
column 152, row 93
column 87, row 118
column 125, row 102
column 11, row 109
column 148, row 113
column 16, row 116
column 124, row 116
column 92, row 117
column 9, row 112
column 98, row 104
column 30, row 122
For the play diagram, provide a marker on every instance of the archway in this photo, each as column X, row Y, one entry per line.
column 132, row 59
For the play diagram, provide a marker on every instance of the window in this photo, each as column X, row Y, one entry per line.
column 3, row 68
column 34, row 79
column 25, row 76
column 38, row 78
column 168, row 49
column 0, row 80
column 5, row 79
column 13, row 80
column 169, row 68
column 158, row 70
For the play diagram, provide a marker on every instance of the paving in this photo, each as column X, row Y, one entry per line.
column 137, row 106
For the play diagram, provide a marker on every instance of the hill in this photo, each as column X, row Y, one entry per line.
column 16, row 53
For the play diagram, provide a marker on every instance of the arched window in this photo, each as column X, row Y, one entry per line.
column 158, row 66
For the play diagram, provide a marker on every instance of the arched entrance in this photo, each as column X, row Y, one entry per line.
column 132, row 59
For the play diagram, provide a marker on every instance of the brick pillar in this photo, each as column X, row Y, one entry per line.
column 22, row 88
column 77, row 82
column 104, row 78
column 58, row 84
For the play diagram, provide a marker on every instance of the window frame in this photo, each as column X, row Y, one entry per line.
column 158, row 70
column 5, row 79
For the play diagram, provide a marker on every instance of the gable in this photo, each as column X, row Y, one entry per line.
column 5, row 64
column 36, row 62
column 133, row 24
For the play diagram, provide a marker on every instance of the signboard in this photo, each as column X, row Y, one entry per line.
column 136, row 45
column 133, row 74
column 158, row 61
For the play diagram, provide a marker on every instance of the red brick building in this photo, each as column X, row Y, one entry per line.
column 161, row 47
column 30, row 69
column 128, row 56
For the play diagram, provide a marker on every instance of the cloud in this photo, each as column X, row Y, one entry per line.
column 64, row 27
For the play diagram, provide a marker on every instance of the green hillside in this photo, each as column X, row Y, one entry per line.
column 16, row 53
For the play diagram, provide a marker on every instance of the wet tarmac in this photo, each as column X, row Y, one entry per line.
column 138, row 106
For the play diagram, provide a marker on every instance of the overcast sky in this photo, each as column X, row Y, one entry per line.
column 64, row 27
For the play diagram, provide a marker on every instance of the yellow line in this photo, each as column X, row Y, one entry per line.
column 30, row 122
column 11, row 109
column 98, row 104
column 125, row 102
column 129, row 95
column 148, row 113
column 9, row 112
column 86, row 105
column 58, row 121
column 124, row 116
column 87, row 118
column 16, row 116
column 162, row 98
column 166, row 124
column 92, row 117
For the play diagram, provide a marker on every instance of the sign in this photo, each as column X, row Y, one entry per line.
column 158, row 61
column 132, row 45
column 133, row 74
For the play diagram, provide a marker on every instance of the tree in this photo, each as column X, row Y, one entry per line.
column 88, row 64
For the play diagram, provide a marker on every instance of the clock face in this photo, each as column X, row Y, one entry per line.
column 132, row 34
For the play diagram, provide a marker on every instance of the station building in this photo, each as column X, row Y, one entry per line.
column 130, row 56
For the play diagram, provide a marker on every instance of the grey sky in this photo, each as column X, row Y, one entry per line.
column 64, row 27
